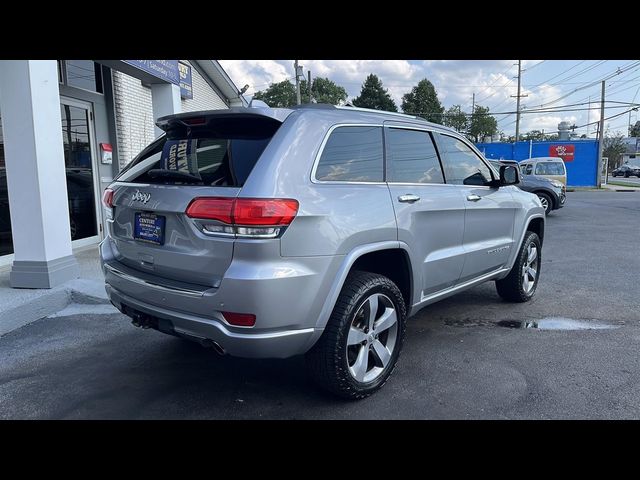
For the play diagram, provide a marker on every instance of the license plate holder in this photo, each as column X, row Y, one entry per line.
column 149, row 227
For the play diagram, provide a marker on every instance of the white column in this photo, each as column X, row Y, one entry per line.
column 166, row 100
column 36, row 179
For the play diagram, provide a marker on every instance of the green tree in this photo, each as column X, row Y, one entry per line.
column 283, row 94
column 323, row 90
column 423, row 100
column 278, row 95
column 374, row 95
column 635, row 130
column 455, row 118
column 613, row 147
column 532, row 135
column 482, row 124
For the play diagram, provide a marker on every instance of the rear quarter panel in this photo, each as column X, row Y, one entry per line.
column 332, row 218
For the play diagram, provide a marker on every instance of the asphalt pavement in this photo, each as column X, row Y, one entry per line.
column 458, row 363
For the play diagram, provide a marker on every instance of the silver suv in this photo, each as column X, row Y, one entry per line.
column 314, row 230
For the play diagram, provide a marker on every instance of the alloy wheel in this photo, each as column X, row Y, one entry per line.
column 372, row 338
column 544, row 202
column 530, row 269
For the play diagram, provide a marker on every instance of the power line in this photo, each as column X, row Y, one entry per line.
column 617, row 72
column 533, row 111
column 559, row 74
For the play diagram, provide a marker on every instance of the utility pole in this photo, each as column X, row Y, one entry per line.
column 295, row 66
column 600, row 137
column 518, row 96
column 309, row 84
column 473, row 107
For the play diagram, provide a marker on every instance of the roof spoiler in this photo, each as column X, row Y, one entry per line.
column 208, row 117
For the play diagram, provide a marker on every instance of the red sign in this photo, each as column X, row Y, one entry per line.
column 565, row 152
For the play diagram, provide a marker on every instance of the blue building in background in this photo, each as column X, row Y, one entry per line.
column 580, row 156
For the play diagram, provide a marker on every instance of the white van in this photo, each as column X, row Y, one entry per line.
column 550, row 167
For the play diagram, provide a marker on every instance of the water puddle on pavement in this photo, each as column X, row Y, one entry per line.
column 556, row 323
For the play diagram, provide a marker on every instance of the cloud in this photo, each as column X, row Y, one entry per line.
column 456, row 81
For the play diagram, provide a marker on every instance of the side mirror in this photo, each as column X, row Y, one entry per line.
column 509, row 175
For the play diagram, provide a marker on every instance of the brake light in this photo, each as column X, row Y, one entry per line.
column 195, row 121
column 250, row 217
column 272, row 212
column 107, row 198
column 240, row 319
column 211, row 209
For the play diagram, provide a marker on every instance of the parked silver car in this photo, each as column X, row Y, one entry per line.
column 315, row 230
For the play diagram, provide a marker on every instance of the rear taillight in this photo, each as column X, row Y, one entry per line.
column 248, row 217
column 240, row 319
column 211, row 209
column 107, row 198
column 272, row 212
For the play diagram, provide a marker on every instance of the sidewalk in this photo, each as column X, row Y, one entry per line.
column 19, row 306
column 621, row 188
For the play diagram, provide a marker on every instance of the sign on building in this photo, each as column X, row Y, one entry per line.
column 186, row 87
column 565, row 152
column 164, row 69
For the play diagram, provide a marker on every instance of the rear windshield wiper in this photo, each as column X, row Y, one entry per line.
column 173, row 175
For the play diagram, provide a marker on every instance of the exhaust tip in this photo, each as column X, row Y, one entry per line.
column 208, row 343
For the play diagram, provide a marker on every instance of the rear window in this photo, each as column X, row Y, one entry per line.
column 550, row 168
column 201, row 157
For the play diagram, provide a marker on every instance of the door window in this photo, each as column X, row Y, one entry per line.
column 412, row 157
column 462, row 166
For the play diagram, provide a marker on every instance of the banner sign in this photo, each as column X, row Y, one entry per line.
column 180, row 156
column 164, row 69
column 565, row 152
column 186, row 87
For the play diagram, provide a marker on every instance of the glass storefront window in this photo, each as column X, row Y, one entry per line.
column 85, row 74
column 6, row 242
column 79, row 168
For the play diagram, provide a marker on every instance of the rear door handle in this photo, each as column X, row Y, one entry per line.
column 473, row 198
column 408, row 198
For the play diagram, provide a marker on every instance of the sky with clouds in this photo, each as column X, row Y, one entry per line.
column 550, row 85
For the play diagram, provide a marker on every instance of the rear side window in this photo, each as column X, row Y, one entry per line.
column 352, row 154
column 461, row 164
column 550, row 168
column 412, row 157
column 206, row 157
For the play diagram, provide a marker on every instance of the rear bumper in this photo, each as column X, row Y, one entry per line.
column 286, row 295
column 275, row 344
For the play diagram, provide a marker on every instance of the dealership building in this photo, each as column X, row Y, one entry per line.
column 67, row 127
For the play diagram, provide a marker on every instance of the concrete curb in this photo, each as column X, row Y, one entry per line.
column 48, row 302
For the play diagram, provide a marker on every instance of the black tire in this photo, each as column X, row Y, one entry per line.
column 328, row 360
column 548, row 200
column 511, row 288
column 626, row 174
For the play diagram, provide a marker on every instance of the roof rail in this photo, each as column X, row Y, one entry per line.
column 372, row 110
column 312, row 105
